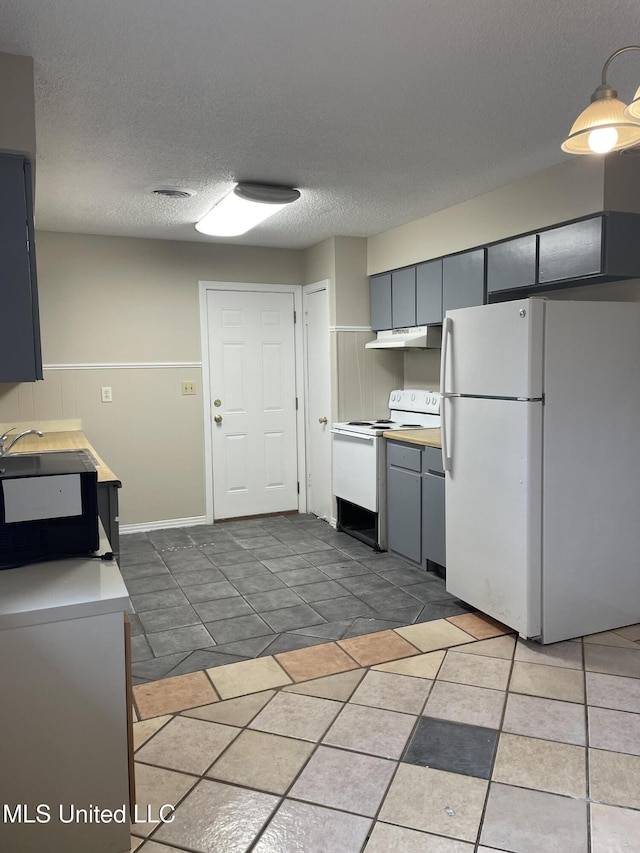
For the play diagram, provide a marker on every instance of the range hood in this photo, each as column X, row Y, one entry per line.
column 416, row 337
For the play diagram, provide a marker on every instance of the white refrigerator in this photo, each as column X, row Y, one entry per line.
column 541, row 449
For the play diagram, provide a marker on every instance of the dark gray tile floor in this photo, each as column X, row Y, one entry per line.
column 215, row 594
column 454, row 747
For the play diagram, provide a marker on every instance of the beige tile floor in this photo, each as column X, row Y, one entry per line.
column 450, row 736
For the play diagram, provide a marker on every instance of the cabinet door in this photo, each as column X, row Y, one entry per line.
column 571, row 251
column 20, row 359
column 429, row 293
column 433, row 519
column 512, row 264
column 404, row 512
column 380, row 294
column 403, row 298
column 463, row 280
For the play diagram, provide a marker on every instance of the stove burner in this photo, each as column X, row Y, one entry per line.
column 383, row 421
column 412, row 426
column 359, row 423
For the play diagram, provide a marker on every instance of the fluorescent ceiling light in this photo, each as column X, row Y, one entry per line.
column 245, row 207
column 607, row 124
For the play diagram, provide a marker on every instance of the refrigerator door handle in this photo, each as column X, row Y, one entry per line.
column 446, row 332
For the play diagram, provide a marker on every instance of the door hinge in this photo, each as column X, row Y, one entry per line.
column 295, row 317
column 296, row 404
column 298, row 487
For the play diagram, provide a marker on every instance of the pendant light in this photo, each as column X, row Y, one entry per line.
column 245, row 207
column 607, row 124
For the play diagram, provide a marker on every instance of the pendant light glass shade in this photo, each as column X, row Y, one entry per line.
column 633, row 110
column 602, row 127
column 607, row 124
column 246, row 206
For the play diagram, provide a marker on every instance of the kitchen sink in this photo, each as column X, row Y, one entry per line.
column 83, row 450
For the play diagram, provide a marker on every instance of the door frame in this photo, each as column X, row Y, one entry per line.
column 296, row 290
column 314, row 288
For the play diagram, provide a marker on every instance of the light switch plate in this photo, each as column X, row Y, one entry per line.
column 188, row 388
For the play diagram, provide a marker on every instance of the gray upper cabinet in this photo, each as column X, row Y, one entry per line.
column 403, row 298
column 571, row 251
column 380, row 291
column 429, row 293
column 512, row 265
column 463, row 280
column 601, row 248
column 20, row 356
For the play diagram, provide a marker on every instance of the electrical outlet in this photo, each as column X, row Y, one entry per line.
column 107, row 396
column 188, row 388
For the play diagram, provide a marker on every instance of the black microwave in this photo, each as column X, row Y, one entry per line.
column 48, row 507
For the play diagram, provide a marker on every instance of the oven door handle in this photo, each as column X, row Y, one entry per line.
column 355, row 435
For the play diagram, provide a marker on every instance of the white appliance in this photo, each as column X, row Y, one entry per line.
column 541, row 449
column 360, row 463
column 416, row 337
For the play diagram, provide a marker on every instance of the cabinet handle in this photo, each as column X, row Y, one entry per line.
column 322, row 420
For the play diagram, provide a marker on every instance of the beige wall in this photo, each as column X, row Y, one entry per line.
column 106, row 301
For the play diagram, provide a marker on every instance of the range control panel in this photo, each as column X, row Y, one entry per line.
column 413, row 400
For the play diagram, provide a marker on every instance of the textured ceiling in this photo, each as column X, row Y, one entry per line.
column 379, row 111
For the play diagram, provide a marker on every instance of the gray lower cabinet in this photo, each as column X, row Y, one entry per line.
column 415, row 503
column 433, row 512
column 404, row 500
column 20, row 356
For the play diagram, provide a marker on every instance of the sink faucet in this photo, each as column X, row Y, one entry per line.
column 4, row 451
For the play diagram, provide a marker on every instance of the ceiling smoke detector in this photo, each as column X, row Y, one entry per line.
column 173, row 192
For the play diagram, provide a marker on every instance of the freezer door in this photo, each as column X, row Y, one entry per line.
column 493, row 508
column 494, row 350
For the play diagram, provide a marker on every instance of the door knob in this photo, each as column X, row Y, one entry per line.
column 218, row 419
column 322, row 420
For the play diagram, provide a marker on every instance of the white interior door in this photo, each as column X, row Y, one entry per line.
column 318, row 399
column 252, row 375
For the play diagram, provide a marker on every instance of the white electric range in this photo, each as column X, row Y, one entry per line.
column 360, row 463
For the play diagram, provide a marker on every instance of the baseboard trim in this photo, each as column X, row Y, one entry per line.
column 144, row 526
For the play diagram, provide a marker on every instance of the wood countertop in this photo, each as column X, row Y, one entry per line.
column 67, row 440
column 425, row 437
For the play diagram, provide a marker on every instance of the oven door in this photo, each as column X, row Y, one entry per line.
column 355, row 468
